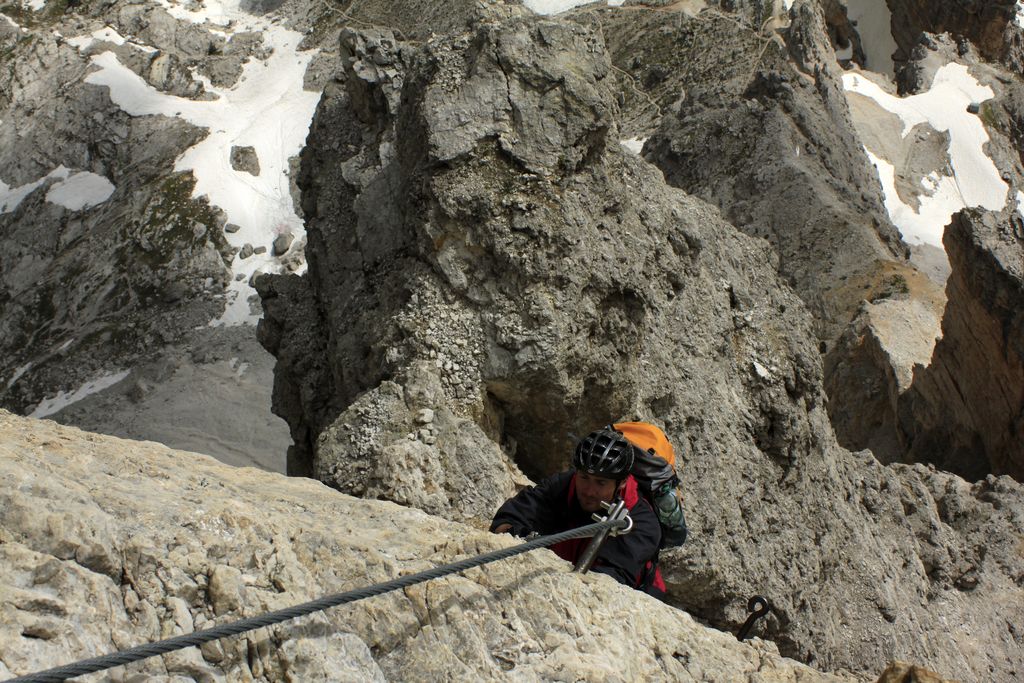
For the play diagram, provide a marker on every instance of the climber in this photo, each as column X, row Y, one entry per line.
column 600, row 473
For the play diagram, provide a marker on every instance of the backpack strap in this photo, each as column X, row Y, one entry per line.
column 645, row 580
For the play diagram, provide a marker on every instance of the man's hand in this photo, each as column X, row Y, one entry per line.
column 502, row 528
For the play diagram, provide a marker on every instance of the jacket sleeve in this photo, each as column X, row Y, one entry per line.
column 622, row 557
column 533, row 508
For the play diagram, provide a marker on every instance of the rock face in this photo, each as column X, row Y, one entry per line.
column 866, row 377
column 74, row 279
column 988, row 24
column 771, row 143
column 875, row 359
column 106, row 544
column 128, row 280
column 504, row 272
column 965, row 412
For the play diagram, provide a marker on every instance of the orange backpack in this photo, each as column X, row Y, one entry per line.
column 649, row 438
column 655, row 473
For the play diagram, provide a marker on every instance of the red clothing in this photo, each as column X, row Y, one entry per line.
column 552, row 506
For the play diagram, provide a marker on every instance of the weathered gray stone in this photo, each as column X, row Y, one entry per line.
column 70, row 285
column 191, row 532
column 873, row 363
column 282, row 243
column 988, row 24
column 523, row 295
column 244, row 159
column 770, row 141
column 964, row 411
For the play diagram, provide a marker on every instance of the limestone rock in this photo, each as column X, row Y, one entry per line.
column 198, row 543
column 131, row 267
column 244, row 159
column 770, row 141
column 964, row 411
column 525, row 278
column 282, row 243
column 988, row 24
column 873, row 363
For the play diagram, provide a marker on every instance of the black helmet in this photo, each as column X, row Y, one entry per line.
column 605, row 453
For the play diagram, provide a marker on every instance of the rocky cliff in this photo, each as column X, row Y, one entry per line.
column 769, row 140
column 117, row 269
column 988, row 24
column 965, row 410
column 490, row 270
column 493, row 269
column 106, row 544
column 892, row 340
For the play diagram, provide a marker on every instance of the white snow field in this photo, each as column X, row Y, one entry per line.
column 975, row 180
column 266, row 109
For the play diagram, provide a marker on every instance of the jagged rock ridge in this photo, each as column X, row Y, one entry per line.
column 502, row 273
column 965, row 411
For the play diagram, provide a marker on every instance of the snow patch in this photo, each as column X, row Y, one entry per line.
column 217, row 12
column 10, row 21
column 18, row 373
column 928, row 223
column 74, row 191
column 36, row 5
column 557, row 6
column 106, row 35
column 11, row 197
column 63, row 399
column 1020, row 14
column 976, row 180
column 634, row 145
column 80, row 191
column 266, row 109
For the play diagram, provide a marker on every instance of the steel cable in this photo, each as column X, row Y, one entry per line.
column 161, row 647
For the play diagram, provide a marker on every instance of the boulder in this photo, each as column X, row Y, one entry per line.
column 244, row 159
column 878, row 353
column 505, row 264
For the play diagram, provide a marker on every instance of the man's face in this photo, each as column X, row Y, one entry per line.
column 592, row 490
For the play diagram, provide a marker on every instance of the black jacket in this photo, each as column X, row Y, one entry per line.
column 548, row 508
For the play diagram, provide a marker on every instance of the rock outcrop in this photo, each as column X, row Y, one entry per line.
column 965, row 411
column 988, row 24
column 109, row 267
column 106, row 544
column 769, row 140
column 80, row 284
column 504, row 272
column 873, row 367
